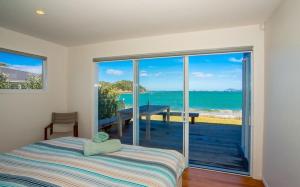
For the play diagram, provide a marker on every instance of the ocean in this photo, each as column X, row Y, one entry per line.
column 199, row 100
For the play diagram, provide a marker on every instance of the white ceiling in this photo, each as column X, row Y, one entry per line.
column 76, row 22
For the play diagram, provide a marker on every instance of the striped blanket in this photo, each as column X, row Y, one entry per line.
column 60, row 162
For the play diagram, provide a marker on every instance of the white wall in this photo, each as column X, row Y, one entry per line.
column 24, row 115
column 282, row 73
column 81, row 70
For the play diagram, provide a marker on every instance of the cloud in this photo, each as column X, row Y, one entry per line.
column 144, row 73
column 158, row 74
column 30, row 69
column 202, row 74
column 233, row 59
column 114, row 72
column 237, row 71
column 233, row 73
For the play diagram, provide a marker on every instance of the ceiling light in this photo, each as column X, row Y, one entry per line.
column 40, row 12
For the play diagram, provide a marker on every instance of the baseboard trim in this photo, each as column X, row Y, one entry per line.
column 265, row 182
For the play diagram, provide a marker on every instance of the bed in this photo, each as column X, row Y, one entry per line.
column 60, row 162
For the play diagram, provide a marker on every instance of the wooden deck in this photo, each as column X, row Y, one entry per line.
column 211, row 145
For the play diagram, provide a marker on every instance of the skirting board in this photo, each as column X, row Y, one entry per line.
column 265, row 183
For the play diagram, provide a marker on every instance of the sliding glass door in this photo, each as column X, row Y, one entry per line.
column 197, row 104
column 160, row 97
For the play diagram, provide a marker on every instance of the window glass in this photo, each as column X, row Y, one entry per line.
column 20, row 71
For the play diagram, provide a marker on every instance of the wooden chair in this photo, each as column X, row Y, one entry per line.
column 62, row 124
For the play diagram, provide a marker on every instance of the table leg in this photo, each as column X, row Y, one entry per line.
column 164, row 117
column 193, row 120
column 168, row 115
column 148, row 127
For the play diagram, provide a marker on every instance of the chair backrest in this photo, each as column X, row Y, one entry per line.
column 64, row 118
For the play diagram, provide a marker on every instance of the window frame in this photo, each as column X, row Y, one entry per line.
column 44, row 73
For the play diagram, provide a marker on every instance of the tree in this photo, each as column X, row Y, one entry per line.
column 33, row 82
column 122, row 86
column 2, row 64
column 4, row 83
column 107, row 101
column 108, row 97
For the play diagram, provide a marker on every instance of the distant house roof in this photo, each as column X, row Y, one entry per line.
column 15, row 75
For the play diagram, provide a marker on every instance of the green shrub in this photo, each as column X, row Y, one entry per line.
column 33, row 82
column 4, row 83
column 107, row 101
column 108, row 97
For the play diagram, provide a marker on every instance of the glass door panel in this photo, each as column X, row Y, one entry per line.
column 216, row 108
column 115, row 99
column 161, row 82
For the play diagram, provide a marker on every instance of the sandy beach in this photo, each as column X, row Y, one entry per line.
column 213, row 116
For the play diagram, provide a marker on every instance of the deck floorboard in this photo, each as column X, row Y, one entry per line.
column 211, row 145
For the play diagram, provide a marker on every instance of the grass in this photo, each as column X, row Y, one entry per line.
column 202, row 119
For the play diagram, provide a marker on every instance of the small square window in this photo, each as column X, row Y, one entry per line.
column 21, row 71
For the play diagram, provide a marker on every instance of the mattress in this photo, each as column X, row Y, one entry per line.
column 60, row 162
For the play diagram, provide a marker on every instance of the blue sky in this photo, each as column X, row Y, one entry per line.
column 212, row 72
column 115, row 71
column 21, row 62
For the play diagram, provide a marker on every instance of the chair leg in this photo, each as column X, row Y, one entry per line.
column 75, row 131
column 46, row 134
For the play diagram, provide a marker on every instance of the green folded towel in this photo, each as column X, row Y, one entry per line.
column 109, row 146
column 100, row 137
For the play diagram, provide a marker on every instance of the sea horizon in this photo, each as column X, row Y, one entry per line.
column 208, row 103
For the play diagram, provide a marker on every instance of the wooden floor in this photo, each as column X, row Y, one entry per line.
column 216, row 146
column 203, row 178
